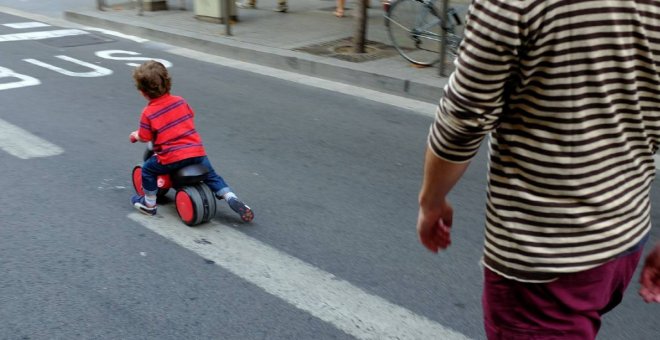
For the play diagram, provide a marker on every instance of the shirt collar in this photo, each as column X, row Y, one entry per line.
column 159, row 100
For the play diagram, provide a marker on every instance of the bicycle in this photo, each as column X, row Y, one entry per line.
column 414, row 27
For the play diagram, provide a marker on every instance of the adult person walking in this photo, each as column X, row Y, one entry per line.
column 569, row 92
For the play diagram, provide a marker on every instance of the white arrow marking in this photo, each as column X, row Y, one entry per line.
column 327, row 297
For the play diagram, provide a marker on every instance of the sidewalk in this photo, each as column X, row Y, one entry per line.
column 273, row 39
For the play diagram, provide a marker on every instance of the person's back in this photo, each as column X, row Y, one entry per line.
column 569, row 91
column 177, row 139
column 572, row 91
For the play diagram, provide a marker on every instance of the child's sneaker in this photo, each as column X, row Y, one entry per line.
column 240, row 208
column 140, row 204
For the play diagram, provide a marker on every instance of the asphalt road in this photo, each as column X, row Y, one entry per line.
column 333, row 180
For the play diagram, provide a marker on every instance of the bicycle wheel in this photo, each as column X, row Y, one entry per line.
column 415, row 31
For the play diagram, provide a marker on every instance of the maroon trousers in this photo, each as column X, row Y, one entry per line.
column 569, row 308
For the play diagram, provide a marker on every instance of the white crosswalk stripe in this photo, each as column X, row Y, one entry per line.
column 22, row 144
column 349, row 308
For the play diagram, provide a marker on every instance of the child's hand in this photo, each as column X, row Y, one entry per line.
column 133, row 137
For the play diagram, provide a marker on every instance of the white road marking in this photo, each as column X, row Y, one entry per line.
column 24, row 145
column 23, row 80
column 97, row 71
column 24, row 25
column 417, row 106
column 327, row 297
column 116, row 34
column 41, row 35
column 112, row 55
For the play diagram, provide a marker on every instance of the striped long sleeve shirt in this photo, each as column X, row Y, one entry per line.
column 569, row 93
column 168, row 122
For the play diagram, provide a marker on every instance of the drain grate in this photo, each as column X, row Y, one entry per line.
column 76, row 40
column 342, row 49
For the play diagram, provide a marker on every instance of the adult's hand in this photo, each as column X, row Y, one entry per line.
column 650, row 278
column 434, row 226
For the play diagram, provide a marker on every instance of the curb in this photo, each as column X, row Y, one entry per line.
column 287, row 60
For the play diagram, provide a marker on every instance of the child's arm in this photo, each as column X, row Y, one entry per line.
column 135, row 137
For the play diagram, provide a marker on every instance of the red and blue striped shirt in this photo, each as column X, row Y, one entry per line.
column 167, row 121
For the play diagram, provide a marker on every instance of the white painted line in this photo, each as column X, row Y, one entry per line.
column 22, row 144
column 325, row 296
column 117, row 34
column 23, row 80
column 41, row 35
column 24, row 25
column 97, row 71
column 417, row 106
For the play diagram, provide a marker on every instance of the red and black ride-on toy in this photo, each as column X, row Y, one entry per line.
column 195, row 202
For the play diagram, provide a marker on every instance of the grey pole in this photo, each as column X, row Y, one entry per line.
column 140, row 7
column 100, row 4
column 443, row 38
column 226, row 4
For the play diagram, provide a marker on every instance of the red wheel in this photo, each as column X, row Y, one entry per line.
column 185, row 207
column 137, row 180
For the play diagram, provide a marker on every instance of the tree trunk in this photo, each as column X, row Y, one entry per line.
column 360, row 35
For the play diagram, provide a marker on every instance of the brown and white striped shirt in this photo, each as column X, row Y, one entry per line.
column 569, row 91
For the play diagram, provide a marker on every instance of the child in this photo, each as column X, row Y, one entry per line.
column 167, row 122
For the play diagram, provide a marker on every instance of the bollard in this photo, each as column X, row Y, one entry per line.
column 225, row 16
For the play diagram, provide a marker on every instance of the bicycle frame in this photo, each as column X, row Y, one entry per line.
column 423, row 31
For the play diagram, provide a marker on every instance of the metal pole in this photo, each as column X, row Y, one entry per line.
column 443, row 38
column 225, row 16
column 140, row 7
column 100, row 4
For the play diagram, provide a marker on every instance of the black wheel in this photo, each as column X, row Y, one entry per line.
column 208, row 201
column 189, row 206
column 195, row 204
column 414, row 27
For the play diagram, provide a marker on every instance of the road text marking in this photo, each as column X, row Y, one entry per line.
column 327, row 297
column 22, row 144
column 40, row 35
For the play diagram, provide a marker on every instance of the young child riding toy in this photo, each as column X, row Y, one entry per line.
column 167, row 122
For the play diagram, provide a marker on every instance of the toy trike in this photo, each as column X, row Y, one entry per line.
column 194, row 200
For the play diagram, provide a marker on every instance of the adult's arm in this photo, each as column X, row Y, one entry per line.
column 470, row 109
column 435, row 213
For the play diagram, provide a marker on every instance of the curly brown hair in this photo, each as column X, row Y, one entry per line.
column 152, row 79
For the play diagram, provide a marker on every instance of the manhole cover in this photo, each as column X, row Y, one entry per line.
column 343, row 49
column 76, row 40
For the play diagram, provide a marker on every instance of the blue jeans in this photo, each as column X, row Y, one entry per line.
column 151, row 169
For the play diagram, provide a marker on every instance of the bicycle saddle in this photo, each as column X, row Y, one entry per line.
column 189, row 175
